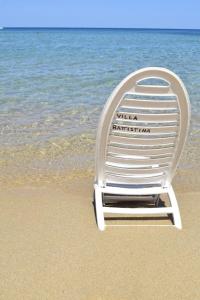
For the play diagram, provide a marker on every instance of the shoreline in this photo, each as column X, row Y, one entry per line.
column 61, row 160
column 186, row 179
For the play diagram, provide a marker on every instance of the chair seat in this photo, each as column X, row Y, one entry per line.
column 133, row 190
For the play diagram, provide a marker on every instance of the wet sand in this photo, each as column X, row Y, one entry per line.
column 51, row 249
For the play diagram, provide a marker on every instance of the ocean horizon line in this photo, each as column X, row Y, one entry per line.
column 96, row 28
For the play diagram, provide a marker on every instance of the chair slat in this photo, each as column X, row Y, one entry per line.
column 137, row 161
column 150, row 104
column 150, row 130
column 165, row 141
column 149, row 118
column 152, row 89
column 157, row 95
column 137, row 171
column 133, row 180
column 149, row 152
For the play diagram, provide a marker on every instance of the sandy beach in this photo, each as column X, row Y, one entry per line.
column 51, row 249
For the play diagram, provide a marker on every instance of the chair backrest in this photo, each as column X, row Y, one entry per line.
column 142, row 129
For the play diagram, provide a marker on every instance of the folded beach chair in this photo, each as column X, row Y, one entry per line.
column 141, row 134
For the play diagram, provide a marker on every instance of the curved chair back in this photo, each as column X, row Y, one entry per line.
column 142, row 130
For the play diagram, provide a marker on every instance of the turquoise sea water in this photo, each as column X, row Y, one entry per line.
column 54, row 83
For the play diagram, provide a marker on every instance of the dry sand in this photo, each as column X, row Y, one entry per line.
column 51, row 249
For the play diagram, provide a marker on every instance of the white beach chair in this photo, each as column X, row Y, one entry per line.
column 141, row 134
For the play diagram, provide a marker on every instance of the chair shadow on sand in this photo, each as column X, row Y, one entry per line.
column 134, row 204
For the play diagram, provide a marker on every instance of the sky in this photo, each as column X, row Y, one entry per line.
column 101, row 13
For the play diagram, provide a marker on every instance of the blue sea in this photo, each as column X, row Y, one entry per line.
column 54, row 83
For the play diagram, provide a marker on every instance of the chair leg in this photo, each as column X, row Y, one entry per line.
column 99, row 208
column 174, row 204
